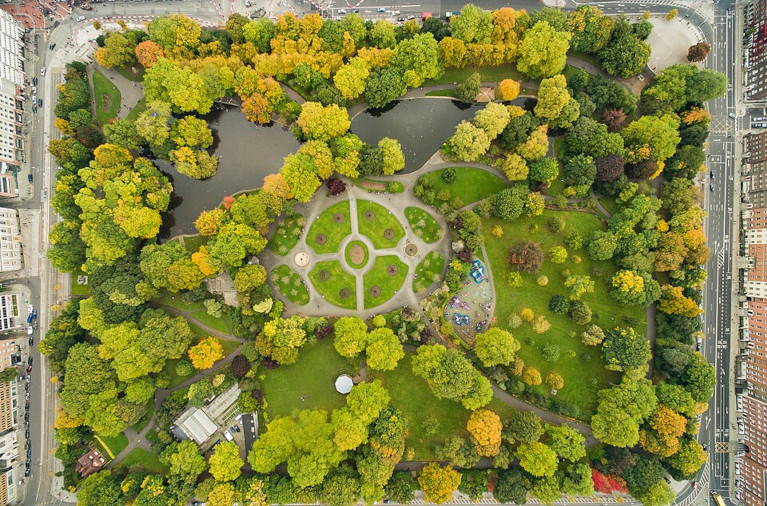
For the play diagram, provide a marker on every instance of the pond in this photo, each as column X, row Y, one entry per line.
column 247, row 152
column 421, row 126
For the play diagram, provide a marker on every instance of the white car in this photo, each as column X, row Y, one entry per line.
column 30, row 308
column 80, row 18
column 42, row 71
column 30, row 330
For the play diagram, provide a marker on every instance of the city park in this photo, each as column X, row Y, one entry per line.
column 484, row 274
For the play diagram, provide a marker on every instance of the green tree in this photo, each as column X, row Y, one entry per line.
column 451, row 376
column 537, row 459
column 625, row 55
column 552, row 97
column 467, row 91
column 624, row 349
column 438, row 483
column 323, row 123
column 495, row 347
column 99, row 488
column 567, row 442
column 225, row 463
column 543, row 51
column 468, row 142
column 651, row 137
column 544, row 171
column 474, row 25
column 383, row 86
column 383, row 350
column 417, row 59
column 393, row 160
column 351, row 336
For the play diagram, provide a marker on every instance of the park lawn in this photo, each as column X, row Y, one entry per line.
column 609, row 203
column 470, row 185
column 128, row 74
column 113, row 445
column 285, row 236
column 411, row 395
column 307, row 384
column 334, row 232
column 192, row 243
column 424, row 224
column 583, row 376
column 487, row 74
column 170, row 369
column 452, row 92
column 348, row 257
column 78, row 289
column 375, row 228
column 211, row 321
column 429, row 271
column 137, row 109
column 229, row 346
column 290, row 284
column 377, row 276
column 338, row 280
column 174, row 300
column 107, row 97
column 142, row 460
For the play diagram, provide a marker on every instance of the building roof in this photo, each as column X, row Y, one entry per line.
column 221, row 403
column 344, row 384
column 196, row 424
column 90, row 463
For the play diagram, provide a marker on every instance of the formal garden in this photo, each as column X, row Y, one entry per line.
column 485, row 316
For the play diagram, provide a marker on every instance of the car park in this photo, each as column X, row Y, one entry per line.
column 87, row 8
column 30, row 360
column 26, row 434
column 732, row 115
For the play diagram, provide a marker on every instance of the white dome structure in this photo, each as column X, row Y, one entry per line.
column 344, row 384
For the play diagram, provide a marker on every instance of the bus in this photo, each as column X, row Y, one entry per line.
column 717, row 499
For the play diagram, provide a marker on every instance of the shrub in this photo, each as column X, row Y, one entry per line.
column 542, row 280
column 517, row 366
column 379, row 321
column 558, row 304
column 531, row 376
column 541, row 325
column 593, row 336
column 580, row 312
column 550, row 353
column 448, row 176
column 556, row 224
column 576, row 259
column 558, row 254
column 497, row 231
column 554, row 380
column 574, row 240
column 515, row 321
column 184, row 368
column 527, row 314
column 240, row 366
column 514, row 279
column 525, row 256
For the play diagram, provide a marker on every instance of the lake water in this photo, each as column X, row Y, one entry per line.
column 421, row 126
column 247, row 152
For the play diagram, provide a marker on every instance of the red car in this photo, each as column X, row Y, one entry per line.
column 29, row 369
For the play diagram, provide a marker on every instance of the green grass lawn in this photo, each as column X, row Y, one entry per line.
column 424, row 225
column 470, row 185
column 107, row 97
column 382, row 220
column 174, row 300
column 583, row 376
column 378, row 276
column 334, row 232
column 128, row 73
column 429, row 271
column 137, row 109
column 347, row 254
column 609, row 204
column 170, row 368
column 338, row 280
column 290, row 284
column 487, row 74
column 142, row 460
column 307, row 384
column 286, row 235
column 113, row 445
column 211, row 321
column 78, row 289
column 229, row 346
column 192, row 243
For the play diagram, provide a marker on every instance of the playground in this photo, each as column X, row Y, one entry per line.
column 470, row 309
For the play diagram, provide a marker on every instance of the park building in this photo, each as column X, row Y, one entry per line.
column 755, row 49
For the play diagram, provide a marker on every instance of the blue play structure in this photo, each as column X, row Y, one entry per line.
column 461, row 319
column 477, row 271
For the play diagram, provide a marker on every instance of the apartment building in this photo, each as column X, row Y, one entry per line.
column 10, row 240
column 754, row 179
column 755, row 49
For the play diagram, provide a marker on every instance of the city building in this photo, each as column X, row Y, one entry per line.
column 11, row 124
column 754, row 52
column 89, row 463
column 10, row 353
column 754, row 181
column 10, row 312
column 11, row 49
column 10, row 240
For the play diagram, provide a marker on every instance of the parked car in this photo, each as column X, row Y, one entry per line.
column 29, row 332
column 30, row 308
column 26, row 473
column 29, row 319
column 32, row 341
column 711, row 187
column 87, row 8
column 42, row 73
column 34, row 81
column 30, row 360
column 51, row 45
column 80, row 18
column 380, row 9
column 30, row 177
column 39, row 102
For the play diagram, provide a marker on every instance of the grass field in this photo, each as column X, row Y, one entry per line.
column 78, row 289
column 192, row 243
column 487, row 74
column 442, row 93
column 142, row 460
column 128, row 73
column 290, row 284
column 424, row 225
column 382, row 220
column 211, row 321
column 470, row 185
column 113, row 445
column 337, row 280
column 137, row 109
column 307, row 384
column 286, row 235
column 107, row 97
column 334, row 232
column 583, row 376
column 429, row 271
column 174, row 300
column 377, row 276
